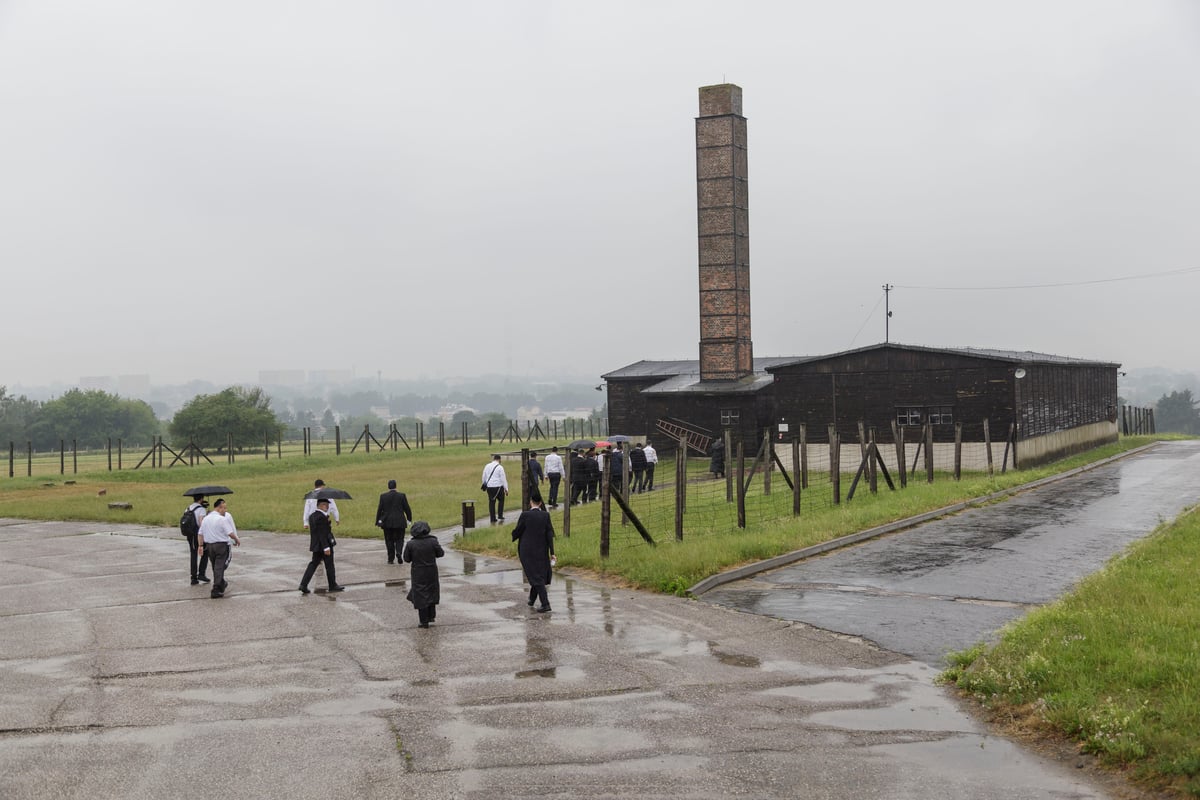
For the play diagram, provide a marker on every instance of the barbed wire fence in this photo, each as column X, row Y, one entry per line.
column 118, row 455
column 773, row 479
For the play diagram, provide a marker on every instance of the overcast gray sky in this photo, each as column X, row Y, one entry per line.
column 427, row 189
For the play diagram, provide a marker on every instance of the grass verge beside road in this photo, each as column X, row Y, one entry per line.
column 1115, row 665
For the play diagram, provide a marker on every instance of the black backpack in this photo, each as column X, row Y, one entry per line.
column 187, row 523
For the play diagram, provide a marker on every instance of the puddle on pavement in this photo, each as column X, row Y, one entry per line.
column 922, row 707
column 733, row 659
column 395, row 584
column 559, row 672
column 828, row 692
column 355, row 704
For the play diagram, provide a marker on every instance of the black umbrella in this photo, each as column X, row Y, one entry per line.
column 207, row 490
column 620, row 438
column 325, row 493
column 581, row 444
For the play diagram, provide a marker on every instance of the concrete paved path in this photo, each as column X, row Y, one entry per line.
column 120, row 680
column 953, row 582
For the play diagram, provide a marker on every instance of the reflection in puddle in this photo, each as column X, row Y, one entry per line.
column 548, row 672
column 394, row 584
column 468, row 563
column 733, row 659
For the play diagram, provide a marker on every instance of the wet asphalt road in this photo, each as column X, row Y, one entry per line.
column 118, row 679
column 953, row 582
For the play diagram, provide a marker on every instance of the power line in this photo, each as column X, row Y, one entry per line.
column 1169, row 273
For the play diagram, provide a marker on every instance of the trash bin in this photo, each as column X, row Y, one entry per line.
column 468, row 514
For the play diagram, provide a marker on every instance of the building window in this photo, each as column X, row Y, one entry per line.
column 916, row 415
column 941, row 415
column 730, row 417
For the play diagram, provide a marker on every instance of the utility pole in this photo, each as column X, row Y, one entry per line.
column 887, row 289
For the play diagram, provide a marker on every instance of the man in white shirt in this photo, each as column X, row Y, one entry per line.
column 495, row 482
column 215, row 534
column 554, row 473
column 651, row 460
column 310, row 505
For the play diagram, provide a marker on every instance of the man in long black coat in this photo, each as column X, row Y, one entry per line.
column 579, row 477
column 422, row 551
column 321, row 544
column 534, row 535
column 393, row 515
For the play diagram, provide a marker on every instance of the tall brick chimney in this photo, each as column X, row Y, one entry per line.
column 726, row 353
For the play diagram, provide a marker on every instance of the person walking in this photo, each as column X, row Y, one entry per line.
column 393, row 515
column 616, row 469
column 495, row 483
column 534, row 535
column 422, row 551
column 717, row 465
column 533, row 470
column 321, row 544
column 651, row 463
column 554, row 474
column 310, row 505
column 637, row 466
column 216, row 531
column 197, row 557
column 579, row 478
column 592, row 466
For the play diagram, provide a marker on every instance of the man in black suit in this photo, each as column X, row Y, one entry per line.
column 393, row 515
column 320, row 544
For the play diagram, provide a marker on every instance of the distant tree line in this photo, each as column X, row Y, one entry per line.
column 91, row 417
column 1177, row 413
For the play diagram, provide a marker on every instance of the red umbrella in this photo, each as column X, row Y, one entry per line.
column 603, row 444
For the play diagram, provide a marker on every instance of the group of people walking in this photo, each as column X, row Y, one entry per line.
column 210, row 539
column 588, row 466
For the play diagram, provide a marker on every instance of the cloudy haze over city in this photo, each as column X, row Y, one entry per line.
column 398, row 189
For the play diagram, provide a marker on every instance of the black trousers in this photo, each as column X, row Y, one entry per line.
column 636, row 480
column 394, row 539
column 427, row 614
column 555, row 480
column 193, row 541
column 578, row 489
column 219, row 553
column 649, row 481
column 539, row 593
column 495, row 502
column 319, row 557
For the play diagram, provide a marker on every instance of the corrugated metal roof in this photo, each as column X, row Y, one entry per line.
column 1012, row 356
column 670, row 369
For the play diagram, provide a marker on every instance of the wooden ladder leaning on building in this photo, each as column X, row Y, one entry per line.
column 698, row 439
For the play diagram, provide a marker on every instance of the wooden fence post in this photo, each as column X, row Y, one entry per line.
column 768, row 461
column 958, row 451
column 796, row 477
column 109, row 456
column 119, row 452
column 835, row 471
column 605, row 512
column 62, row 457
column 987, row 445
column 803, row 455
column 337, row 440
column 901, row 456
column 681, row 460
column 928, row 452
column 728, row 472
column 741, row 483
